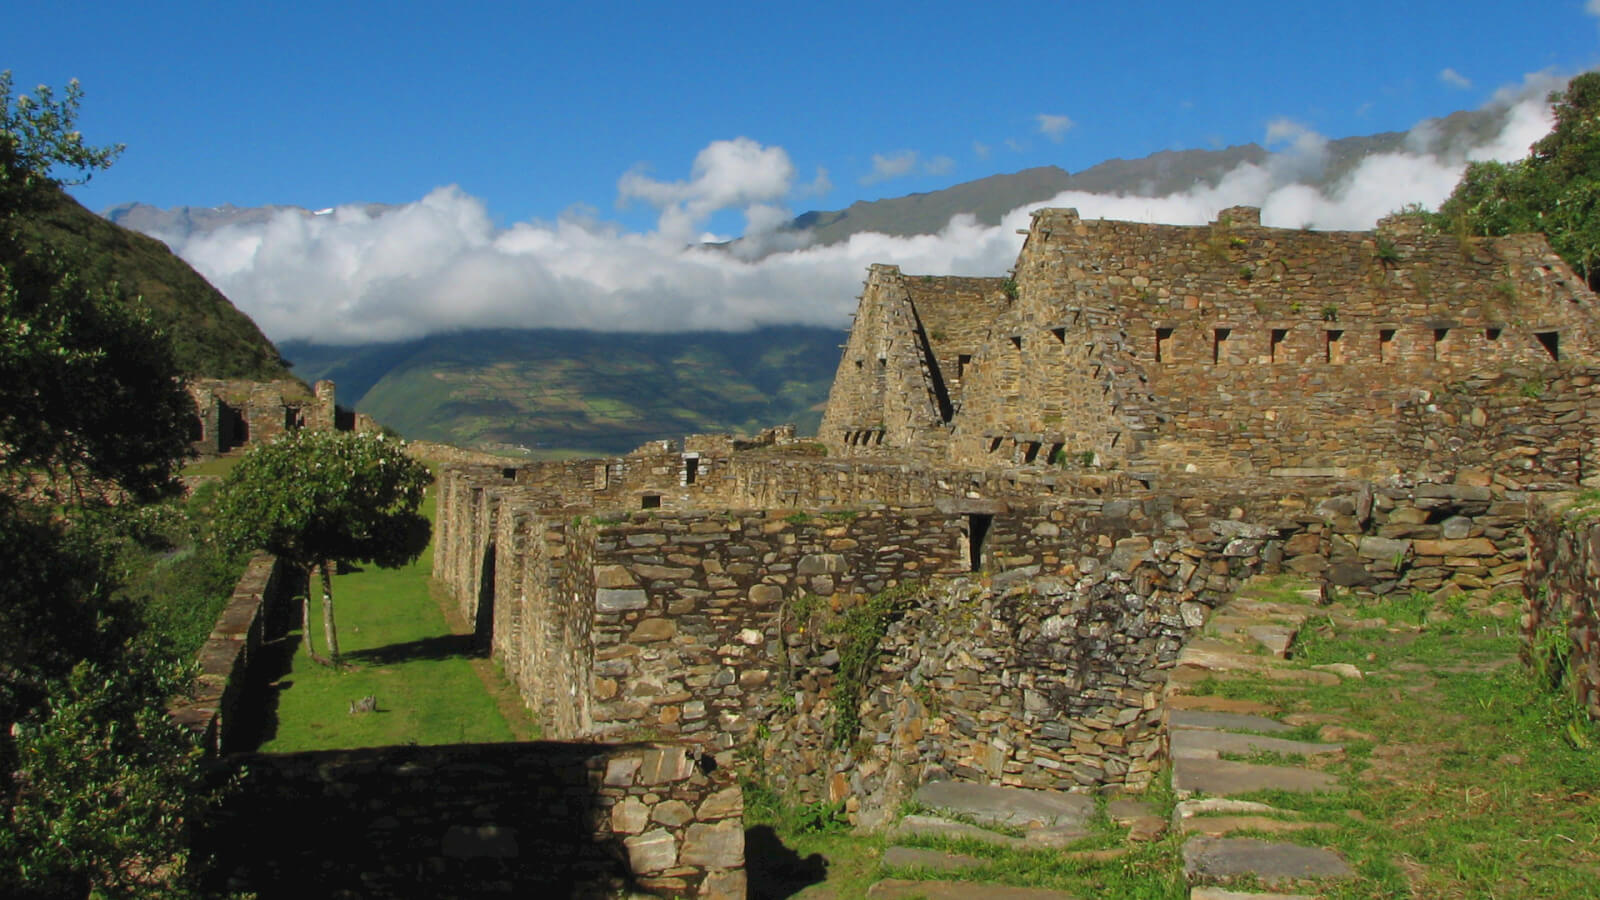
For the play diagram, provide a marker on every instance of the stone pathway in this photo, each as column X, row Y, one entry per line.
column 1223, row 839
column 1246, row 638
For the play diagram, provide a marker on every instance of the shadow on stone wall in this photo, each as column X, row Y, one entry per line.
column 524, row 819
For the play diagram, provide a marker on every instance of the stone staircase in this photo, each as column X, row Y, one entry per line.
column 1224, row 840
column 1246, row 638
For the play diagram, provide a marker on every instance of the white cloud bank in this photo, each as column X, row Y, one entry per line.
column 440, row 264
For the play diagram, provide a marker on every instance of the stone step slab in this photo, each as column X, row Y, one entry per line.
column 1209, row 703
column 1216, row 893
column 900, row 889
column 1222, row 720
column 932, row 860
column 988, row 804
column 1221, row 826
column 1227, row 806
column 1223, row 777
column 1275, row 638
column 1205, row 741
column 1270, row 861
column 934, row 826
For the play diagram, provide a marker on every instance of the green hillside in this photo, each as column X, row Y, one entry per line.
column 210, row 337
column 593, row 392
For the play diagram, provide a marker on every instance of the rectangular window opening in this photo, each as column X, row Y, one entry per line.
column 977, row 532
column 1219, row 337
column 1276, row 344
column 860, row 363
column 1163, row 344
column 1491, row 334
column 1335, row 346
column 691, row 469
column 1030, row 451
column 1551, row 341
column 1441, row 343
column 1016, row 341
column 962, row 362
column 883, row 363
column 602, row 477
column 1386, row 345
column 650, row 501
column 1060, row 333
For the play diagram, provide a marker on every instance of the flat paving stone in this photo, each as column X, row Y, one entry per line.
column 1189, row 741
column 1212, row 703
column 1216, row 893
column 1218, row 826
column 1276, row 638
column 1123, row 810
column 988, row 804
column 1208, row 806
column 934, row 826
column 1208, row 857
column 1227, row 721
column 932, row 860
column 1222, row 777
column 899, row 889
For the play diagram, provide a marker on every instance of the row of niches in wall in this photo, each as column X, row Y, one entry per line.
column 864, row 437
column 1042, row 451
column 1337, row 346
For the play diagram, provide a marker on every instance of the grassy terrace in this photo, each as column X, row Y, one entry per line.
column 432, row 686
column 1467, row 778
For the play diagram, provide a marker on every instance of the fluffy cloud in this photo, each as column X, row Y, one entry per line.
column 1592, row 7
column 726, row 175
column 1457, row 80
column 441, row 264
column 1053, row 127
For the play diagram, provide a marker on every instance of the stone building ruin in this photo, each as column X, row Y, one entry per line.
column 231, row 414
column 1077, row 462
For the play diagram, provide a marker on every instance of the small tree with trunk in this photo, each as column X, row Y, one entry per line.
column 316, row 498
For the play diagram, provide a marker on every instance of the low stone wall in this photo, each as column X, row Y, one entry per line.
column 1460, row 535
column 536, row 819
column 1562, row 582
column 1046, row 675
column 220, row 712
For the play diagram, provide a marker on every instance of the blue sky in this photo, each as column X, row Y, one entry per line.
column 521, row 137
column 536, row 107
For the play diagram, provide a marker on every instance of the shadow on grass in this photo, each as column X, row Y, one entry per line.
column 444, row 646
column 775, row 871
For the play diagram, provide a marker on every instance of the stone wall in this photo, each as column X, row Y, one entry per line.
column 233, row 413
column 901, row 377
column 1563, row 580
column 223, row 712
column 1234, row 349
column 538, row 819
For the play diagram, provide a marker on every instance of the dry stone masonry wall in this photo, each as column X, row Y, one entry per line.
column 540, row 820
column 1561, row 622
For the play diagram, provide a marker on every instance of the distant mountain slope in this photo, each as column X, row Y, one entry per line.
column 580, row 390
column 210, row 336
column 1158, row 174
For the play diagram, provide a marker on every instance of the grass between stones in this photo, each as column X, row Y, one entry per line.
column 1463, row 778
column 430, row 683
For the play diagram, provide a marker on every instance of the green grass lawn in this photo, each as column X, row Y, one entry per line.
column 397, row 647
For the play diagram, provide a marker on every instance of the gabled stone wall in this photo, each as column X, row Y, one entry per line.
column 1235, row 349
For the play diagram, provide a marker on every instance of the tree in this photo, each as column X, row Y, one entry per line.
column 315, row 498
column 1556, row 190
column 95, row 781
